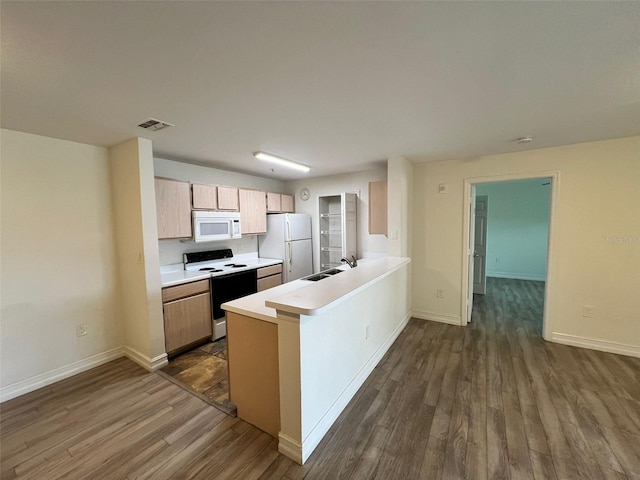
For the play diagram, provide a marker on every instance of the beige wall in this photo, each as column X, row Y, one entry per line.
column 400, row 207
column 58, row 259
column 595, row 244
column 334, row 185
column 137, row 250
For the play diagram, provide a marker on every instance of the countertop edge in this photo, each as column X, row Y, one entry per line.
column 285, row 307
column 250, row 313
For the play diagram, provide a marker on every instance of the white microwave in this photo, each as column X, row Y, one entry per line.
column 211, row 226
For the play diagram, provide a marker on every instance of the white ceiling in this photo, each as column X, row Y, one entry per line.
column 339, row 86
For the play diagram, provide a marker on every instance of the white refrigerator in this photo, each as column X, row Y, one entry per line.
column 289, row 238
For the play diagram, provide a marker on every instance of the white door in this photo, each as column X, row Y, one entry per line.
column 480, row 245
column 470, row 242
column 298, row 261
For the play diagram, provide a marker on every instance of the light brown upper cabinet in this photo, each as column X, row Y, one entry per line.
column 173, row 208
column 228, row 198
column 287, row 203
column 279, row 203
column 274, row 203
column 378, row 207
column 253, row 211
column 204, row 197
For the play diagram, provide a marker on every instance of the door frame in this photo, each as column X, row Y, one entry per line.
column 484, row 263
column 547, row 321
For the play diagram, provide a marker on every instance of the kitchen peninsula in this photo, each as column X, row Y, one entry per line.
column 299, row 352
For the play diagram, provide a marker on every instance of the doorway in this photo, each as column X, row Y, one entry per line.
column 508, row 238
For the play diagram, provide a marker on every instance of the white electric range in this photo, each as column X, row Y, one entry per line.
column 231, row 276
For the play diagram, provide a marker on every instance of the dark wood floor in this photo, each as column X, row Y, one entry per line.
column 489, row 401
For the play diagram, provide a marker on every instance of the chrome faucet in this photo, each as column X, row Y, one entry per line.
column 351, row 262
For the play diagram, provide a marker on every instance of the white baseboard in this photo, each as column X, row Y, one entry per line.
column 300, row 453
column 436, row 317
column 150, row 364
column 517, row 276
column 57, row 374
column 594, row 344
column 290, row 448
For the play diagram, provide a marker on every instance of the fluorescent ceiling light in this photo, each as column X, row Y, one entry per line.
column 267, row 157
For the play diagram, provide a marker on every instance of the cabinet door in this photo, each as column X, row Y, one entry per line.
column 187, row 320
column 204, row 196
column 253, row 211
column 273, row 202
column 228, row 198
column 287, row 203
column 378, row 207
column 173, row 208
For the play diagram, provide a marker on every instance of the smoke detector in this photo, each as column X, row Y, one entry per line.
column 524, row 140
column 154, row 125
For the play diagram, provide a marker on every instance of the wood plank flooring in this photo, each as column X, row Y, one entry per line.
column 490, row 401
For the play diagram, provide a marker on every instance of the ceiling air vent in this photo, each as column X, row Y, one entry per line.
column 154, row 125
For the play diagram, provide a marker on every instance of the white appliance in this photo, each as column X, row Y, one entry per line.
column 231, row 278
column 289, row 238
column 210, row 226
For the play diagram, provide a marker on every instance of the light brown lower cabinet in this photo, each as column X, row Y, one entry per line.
column 187, row 319
column 269, row 277
column 254, row 378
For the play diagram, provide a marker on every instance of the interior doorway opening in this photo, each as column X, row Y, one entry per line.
column 508, row 246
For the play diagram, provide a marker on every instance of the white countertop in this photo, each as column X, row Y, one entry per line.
column 303, row 297
column 178, row 277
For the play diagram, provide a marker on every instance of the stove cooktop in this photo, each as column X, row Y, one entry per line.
column 216, row 261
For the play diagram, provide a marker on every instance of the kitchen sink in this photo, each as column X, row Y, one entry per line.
column 324, row 274
column 316, row 277
column 332, row 271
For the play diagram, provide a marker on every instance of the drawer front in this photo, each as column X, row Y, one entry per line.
column 267, row 271
column 185, row 290
column 268, row 282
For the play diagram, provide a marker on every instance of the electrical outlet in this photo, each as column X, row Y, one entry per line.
column 440, row 293
column 587, row 311
column 81, row 330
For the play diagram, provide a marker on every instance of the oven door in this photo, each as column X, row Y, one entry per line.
column 225, row 288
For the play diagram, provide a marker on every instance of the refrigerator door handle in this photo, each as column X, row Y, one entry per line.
column 290, row 256
column 288, row 230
